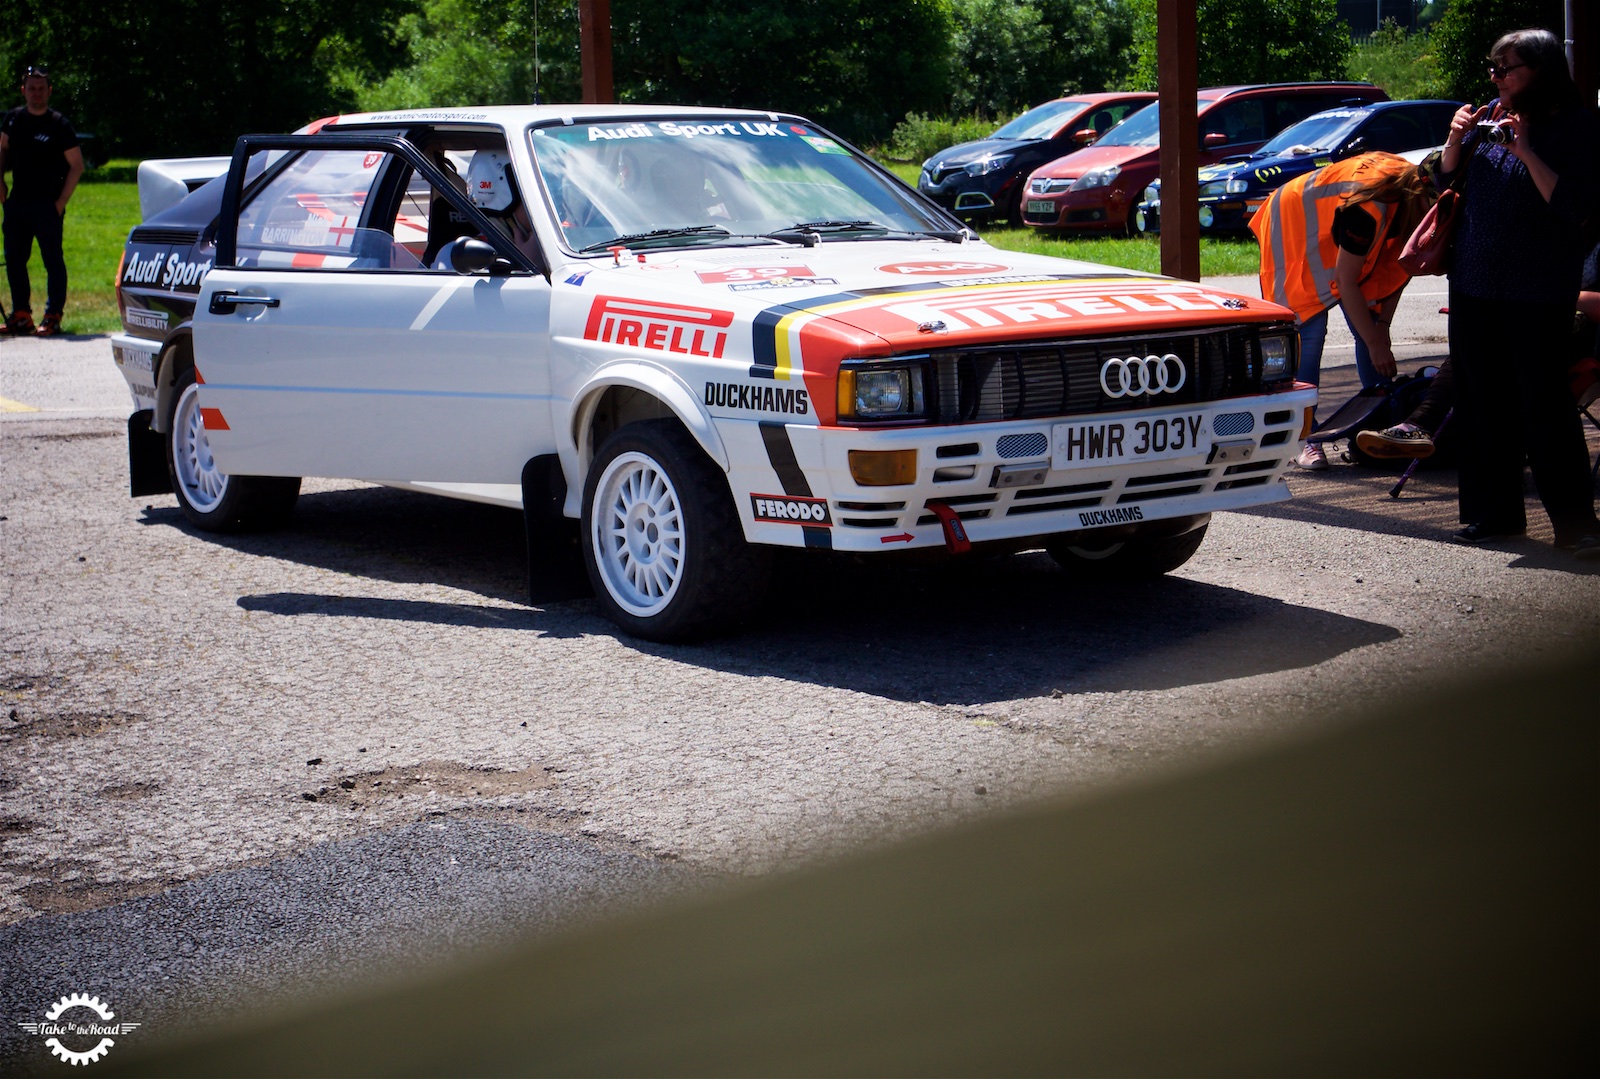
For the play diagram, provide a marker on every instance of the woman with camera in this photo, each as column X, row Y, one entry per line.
column 1532, row 161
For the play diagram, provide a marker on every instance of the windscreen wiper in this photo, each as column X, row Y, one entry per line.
column 656, row 235
column 812, row 232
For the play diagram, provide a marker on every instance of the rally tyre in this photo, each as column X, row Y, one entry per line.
column 1135, row 557
column 662, row 542
column 211, row 499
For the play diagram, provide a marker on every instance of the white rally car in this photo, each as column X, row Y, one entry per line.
column 678, row 338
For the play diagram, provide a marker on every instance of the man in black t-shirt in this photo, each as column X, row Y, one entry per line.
column 41, row 150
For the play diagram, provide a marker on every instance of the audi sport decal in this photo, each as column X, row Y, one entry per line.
column 789, row 510
column 665, row 327
column 173, row 271
column 757, row 398
column 944, row 269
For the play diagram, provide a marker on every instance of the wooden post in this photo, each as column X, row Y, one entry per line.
column 1176, row 60
column 594, row 46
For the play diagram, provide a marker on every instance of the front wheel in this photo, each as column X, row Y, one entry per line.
column 210, row 498
column 1132, row 556
column 661, row 540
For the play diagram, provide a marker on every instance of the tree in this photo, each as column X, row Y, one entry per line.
column 1250, row 41
column 1467, row 31
column 484, row 52
column 1013, row 54
column 189, row 76
column 854, row 65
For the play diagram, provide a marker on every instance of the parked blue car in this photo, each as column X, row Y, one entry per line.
column 1232, row 190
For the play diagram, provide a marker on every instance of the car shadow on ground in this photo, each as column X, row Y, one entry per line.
column 986, row 630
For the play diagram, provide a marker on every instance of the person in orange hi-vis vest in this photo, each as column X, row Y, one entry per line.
column 1334, row 236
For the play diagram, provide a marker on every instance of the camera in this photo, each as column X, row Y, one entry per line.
column 1498, row 132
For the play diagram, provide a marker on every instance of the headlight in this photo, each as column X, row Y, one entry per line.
column 1237, row 186
column 1212, row 189
column 1097, row 177
column 988, row 165
column 882, row 393
column 1277, row 358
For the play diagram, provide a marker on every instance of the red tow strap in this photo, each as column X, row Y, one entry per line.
column 955, row 533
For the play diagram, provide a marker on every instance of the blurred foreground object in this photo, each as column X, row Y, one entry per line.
column 1414, row 892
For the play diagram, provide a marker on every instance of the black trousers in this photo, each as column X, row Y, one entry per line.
column 28, row 222
column 1514, row 404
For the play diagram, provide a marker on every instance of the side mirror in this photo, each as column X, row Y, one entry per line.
column 1212, row 140
column 469, row 256
column 1084, row 136
column 1356, row 145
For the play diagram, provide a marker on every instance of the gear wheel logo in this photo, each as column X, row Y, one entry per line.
column 79, row 1030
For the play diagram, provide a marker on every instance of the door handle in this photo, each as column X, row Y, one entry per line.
column 223, row 303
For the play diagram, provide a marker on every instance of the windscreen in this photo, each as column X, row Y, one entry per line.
column 1324, row 131
column 741, row 178
column 1143, row 128
column 1042, row 122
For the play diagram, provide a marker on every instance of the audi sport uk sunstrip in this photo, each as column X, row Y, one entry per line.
column 677, row 339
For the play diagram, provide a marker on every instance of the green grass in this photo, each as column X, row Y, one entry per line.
column 98, row 220
column 1218, row 256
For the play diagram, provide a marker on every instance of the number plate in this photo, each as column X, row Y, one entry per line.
column 1085, row 443
column 1041, row 206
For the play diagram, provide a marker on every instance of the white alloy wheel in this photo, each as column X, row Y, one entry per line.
column 203, row 484
column 637, row 530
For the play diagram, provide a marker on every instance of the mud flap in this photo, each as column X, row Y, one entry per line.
column 555, row 557
column 147, row 458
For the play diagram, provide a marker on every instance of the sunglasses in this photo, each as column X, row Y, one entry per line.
column 1498, row 72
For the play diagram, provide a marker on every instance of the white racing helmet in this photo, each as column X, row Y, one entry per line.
column 489, row 182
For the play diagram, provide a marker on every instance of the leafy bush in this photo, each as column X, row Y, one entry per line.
column 918, row 137
column 1403, row 64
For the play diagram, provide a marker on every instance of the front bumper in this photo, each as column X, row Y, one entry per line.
column 971, row 196
column 1096, row 209
column 1230, row 213
column 1015, row 481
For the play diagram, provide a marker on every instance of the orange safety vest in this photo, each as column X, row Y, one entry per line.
column 1298, row 273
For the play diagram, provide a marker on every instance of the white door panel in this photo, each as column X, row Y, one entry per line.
column 380, row 376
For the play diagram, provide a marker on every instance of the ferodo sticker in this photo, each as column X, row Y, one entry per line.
column 790, row 510
column 943, row 269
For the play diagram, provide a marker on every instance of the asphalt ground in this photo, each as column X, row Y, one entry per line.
column 235, row 769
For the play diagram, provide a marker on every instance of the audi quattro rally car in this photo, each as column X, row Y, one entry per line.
column 688, row 336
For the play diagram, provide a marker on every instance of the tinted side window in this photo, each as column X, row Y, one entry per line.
column 1239, row 121
column 1394, row 131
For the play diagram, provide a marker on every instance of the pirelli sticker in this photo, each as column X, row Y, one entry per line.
column 790, row 510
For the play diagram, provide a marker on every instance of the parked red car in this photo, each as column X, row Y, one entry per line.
column 1097, row 188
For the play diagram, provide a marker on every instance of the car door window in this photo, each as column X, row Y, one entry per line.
column 1394, row 132
column 1239, row 121
column 312, row 216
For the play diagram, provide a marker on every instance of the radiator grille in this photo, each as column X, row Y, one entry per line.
column 1062, row 378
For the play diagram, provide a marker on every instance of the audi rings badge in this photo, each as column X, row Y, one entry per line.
column 1142, row 376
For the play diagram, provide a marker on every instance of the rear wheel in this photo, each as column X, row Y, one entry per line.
column 210, row 498
column 662, row 541
column 1133, row 555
